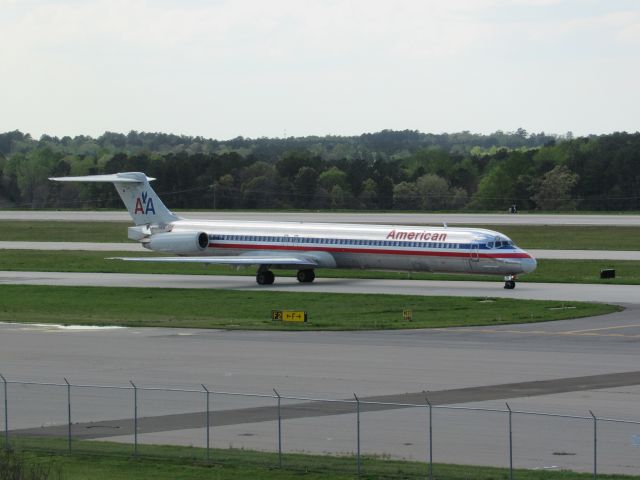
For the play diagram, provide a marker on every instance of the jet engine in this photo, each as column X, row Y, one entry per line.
column 180, row 243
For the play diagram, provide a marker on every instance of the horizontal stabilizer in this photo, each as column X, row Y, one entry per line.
column 143, row 204
column 132, row 177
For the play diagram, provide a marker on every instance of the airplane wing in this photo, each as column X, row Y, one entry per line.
column 230, row 260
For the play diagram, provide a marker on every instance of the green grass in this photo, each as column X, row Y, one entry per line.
column 204, row 308
column 526, row 236
column 554, row 237
column 554, row 271
column 585, row 271
column 42, row 231
column 113, row 461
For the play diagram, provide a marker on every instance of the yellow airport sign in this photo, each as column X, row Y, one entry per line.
column 407, row 315
column 289, row 315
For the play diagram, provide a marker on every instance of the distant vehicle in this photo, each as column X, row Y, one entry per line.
column 305, row 246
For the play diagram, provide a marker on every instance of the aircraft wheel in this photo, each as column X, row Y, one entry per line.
column 265, row 278
column 510, row 284
column 306, row 276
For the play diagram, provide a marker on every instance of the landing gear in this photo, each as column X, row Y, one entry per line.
column 265, row 277
column 306, row 276
column 509, row 282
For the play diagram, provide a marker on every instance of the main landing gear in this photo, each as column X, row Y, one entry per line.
column 509, row 282
column 266, row 276
column 306, row 276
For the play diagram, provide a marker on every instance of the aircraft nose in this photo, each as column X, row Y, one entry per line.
column 528, row 264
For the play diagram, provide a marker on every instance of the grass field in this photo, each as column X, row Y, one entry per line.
column 112, row 461
column 525, row 236
column 554, row 271
column 140, row 307
column 41, row 231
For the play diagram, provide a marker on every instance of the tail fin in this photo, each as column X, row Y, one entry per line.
column 144, row 205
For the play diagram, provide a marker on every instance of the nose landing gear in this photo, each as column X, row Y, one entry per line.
column 509, row 282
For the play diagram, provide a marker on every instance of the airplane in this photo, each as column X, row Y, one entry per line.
column 306, row 246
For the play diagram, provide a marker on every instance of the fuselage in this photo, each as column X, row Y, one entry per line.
column 383, row 247
column 306, row 246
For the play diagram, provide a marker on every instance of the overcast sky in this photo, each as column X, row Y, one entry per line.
column 256, row 68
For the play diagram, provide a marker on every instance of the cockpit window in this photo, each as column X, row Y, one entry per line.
column 501, row 242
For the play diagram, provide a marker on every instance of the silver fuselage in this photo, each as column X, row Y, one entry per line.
column 382, row 247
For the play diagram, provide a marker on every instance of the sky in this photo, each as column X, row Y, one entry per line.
column 279, row 68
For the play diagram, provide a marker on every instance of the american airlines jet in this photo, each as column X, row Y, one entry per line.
column 305, row 246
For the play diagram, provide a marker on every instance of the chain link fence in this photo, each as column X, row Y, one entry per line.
column 213, row 425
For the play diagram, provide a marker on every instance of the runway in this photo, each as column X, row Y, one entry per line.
column 136, row 247
column 532, row 291
column 353, row 217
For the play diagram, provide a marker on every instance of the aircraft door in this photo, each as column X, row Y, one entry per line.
column 474, row 253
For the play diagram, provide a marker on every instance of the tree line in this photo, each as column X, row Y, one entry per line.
column 404, row 170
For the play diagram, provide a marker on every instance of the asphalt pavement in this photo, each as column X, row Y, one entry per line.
column 532, row 291
column 391, row 218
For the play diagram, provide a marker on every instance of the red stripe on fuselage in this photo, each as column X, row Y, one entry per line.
column 373, row 251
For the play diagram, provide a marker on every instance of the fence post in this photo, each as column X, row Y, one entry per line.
column 595, row 445
column 279, row 430
column 135, row 418
column 358, row 431
column 207, row 423
column 430, row 440
column 6, row 414
column 510, row 443
column 68, row 413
